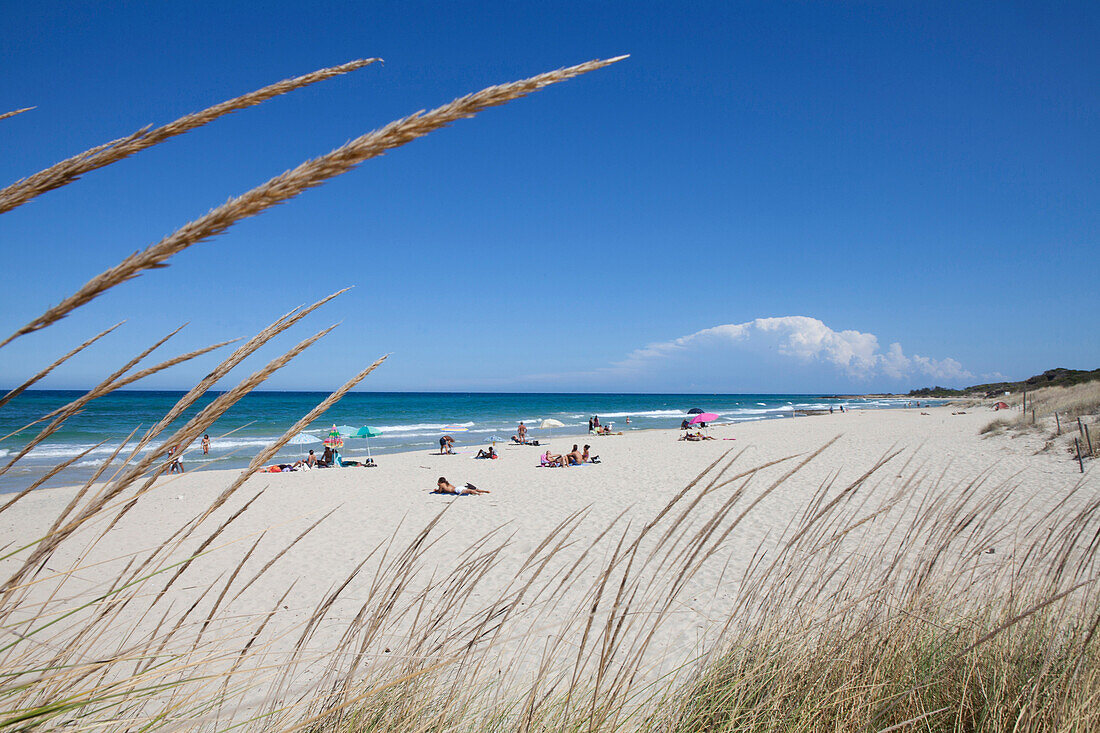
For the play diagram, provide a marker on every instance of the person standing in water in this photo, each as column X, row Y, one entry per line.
column 205, row 444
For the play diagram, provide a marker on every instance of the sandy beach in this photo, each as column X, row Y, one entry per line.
column 373, row 514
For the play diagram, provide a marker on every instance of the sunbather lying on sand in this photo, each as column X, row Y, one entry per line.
column 552, row 459
column 491, row 453
column 443, row 486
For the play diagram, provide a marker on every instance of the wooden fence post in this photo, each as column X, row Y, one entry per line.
column 1080, row 463
column 1080, row 430
column 1089, row 439
column 1058, row 423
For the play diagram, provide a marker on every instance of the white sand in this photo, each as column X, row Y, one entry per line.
column 639, row 472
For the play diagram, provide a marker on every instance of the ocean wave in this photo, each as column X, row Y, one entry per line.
column 755, row 411
column 643, row 413
column 68, row 450
column 231, row 443
column 420, row 427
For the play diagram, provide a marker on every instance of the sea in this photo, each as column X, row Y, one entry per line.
column 408, row 421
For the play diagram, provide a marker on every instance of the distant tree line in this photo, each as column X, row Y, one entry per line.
column 1058, row 377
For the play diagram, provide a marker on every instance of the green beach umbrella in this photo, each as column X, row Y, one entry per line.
column 367, row 432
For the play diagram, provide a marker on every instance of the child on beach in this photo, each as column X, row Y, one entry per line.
column 174, row 466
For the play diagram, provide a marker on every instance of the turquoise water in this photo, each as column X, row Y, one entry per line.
column 408, row 421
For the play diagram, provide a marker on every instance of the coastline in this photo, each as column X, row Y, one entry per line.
column 404, row 421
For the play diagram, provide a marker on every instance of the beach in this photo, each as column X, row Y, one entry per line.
column 372, row 515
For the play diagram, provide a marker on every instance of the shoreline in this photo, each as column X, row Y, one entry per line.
column 404, row 422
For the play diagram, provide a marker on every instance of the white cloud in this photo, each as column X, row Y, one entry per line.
column 807, row 340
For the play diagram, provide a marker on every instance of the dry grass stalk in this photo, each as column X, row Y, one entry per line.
column 267, row 453
column 228, row 364
column 187, row 434
column 67, row 171
column 307, row 175
column 99, row 389
column 19, row 390
column 182, row 437
column 15, row 112
column 64, row 413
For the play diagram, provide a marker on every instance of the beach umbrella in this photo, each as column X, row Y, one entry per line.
column 347, row 431
column 703, row 417
column 695, row 411
column 367, row 432
column 303, row 439
column 494, row 439
column 333, row 440
column 550, row 423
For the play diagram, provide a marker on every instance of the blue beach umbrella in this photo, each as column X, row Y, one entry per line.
column 303, row 439
column 366, row 432
column 494, row 439
column 347, row 431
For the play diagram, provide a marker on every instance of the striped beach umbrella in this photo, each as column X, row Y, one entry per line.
column 333, row 440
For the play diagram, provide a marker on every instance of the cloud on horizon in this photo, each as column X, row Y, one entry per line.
column 804, row 339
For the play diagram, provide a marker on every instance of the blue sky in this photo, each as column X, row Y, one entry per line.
column 764, row 197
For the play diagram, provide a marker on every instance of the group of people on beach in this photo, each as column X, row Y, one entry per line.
column 331, row 458
column 174, row 453
column 574, row 457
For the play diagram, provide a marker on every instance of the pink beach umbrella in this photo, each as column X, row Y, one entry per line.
column 703, row 417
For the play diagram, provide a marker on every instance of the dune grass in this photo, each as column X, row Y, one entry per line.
column 1054, row 415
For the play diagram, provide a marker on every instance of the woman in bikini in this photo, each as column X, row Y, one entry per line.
column 443, row 486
